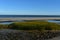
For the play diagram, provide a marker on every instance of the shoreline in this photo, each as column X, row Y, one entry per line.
column 29, row 18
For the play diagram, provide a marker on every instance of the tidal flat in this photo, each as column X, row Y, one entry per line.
column 29, row 29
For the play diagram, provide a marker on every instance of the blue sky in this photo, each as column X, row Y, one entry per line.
column 30, row 7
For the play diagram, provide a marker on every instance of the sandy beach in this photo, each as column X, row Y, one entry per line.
column 29, row 18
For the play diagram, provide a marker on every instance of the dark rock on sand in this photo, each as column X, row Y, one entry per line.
column 8, row 34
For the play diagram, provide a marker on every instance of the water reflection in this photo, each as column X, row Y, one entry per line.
column 23, row 21
column 9, row 22
column 6, row 22
column 54, row 21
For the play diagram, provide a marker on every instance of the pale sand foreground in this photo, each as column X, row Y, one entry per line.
column 28, row 18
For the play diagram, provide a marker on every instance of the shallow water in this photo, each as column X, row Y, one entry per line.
column 6, row 23
column 54, row 21
column 22, row 21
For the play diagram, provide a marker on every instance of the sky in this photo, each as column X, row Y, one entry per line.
column 29, row 7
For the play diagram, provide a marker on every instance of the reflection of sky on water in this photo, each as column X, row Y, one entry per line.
column 53, row 21
column 6, row 22
column 11, row 22
column 23, row 21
